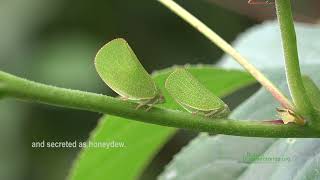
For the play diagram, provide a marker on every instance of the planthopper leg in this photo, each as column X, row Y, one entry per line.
column 144, row 103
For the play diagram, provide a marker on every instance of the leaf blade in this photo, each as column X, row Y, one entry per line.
column 208, row 152
column 232, row 80
column 304, row 152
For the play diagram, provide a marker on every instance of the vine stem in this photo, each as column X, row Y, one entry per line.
column 227, row 48
column 289, row 42
column 12, row 86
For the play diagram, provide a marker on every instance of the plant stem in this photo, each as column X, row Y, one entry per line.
column 289, row 42
column 12, row 86
column 226, row 47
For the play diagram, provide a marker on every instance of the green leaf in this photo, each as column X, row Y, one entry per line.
column 211, row 154
column 13, row 151
column 66, row 51
column 228, row 157
column 1, row 88
column 1, row 93
column 262, row 46
column 139, row 140
column 142, row 140
column 313, row 92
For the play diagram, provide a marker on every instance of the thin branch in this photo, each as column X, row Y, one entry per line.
column 226, row 47
column 12, row 86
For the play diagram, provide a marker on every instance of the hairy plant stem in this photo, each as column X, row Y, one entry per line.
column 297, row 90
column 12, row 86
column 226, row 47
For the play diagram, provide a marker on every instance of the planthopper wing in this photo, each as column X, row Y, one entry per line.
column 121, row 70
column 188, row 91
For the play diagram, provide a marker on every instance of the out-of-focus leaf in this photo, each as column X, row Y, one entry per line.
column 313, row 92
column 142, row 140
column 19, row 19
column 67, row 62
column 231, row 157
column 12, row 151
column 261, row 45
column 211, row 154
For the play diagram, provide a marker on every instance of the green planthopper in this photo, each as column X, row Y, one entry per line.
column 120, row 69
column 193, row 96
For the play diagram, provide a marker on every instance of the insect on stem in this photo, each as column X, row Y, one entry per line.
column 194, row 97
column 120, row 69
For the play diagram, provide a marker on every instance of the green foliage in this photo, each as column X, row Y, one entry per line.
column 144, row 140
column 222, row 157
column 1, row 92
column 193, row 96
column 12, row 152
column 312, row 91
column 212, row 155
column 261, row 45
column 59, row 52
column 141, row 141
column 302, row 104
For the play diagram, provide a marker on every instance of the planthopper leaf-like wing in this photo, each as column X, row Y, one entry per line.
column 188, row 91
column 121, row 70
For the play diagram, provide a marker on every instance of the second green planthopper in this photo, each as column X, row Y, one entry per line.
column 193, row 96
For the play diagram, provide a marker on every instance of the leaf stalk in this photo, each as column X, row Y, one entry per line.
column 298, row 92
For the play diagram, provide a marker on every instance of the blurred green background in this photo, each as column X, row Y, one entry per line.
column 55, row 42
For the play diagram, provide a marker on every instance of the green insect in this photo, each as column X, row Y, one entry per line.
column 193, row 96
column 120, row 69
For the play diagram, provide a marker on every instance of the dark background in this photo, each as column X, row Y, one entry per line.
column 55, row 42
